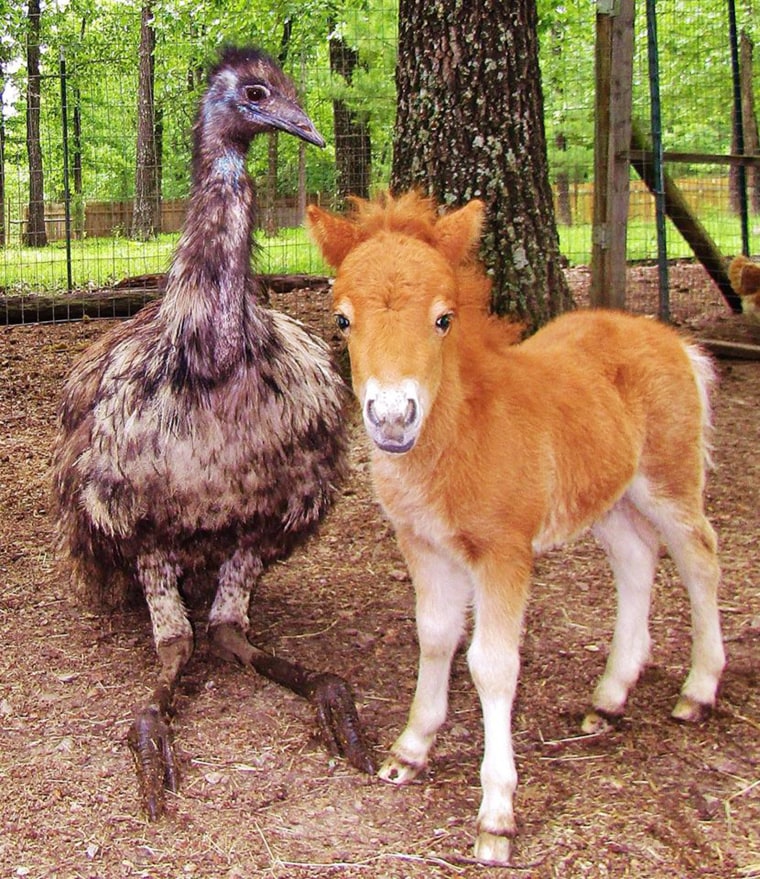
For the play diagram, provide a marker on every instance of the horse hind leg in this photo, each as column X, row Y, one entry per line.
column 678, row 515
column 692, row 544
column 632, row 547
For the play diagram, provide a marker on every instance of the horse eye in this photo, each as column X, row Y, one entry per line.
column 342, row 322
column 256, row 93
column 443, row 323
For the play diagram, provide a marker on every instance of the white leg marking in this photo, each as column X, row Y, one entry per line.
column 494, row 658
column 692, row 544
column 632, row 547
column 443, row 594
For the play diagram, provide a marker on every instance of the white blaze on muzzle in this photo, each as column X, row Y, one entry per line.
column 392, row 414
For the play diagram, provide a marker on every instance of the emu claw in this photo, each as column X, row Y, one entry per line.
column 150, row 742
column 338, row 720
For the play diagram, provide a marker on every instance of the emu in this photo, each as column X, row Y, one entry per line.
column 487, row 451
column 206, row 434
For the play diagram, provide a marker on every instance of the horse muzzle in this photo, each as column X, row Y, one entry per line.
column 392, row 415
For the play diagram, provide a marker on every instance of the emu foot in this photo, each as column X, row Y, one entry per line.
column 150, row 742
column 150, row 737
column 338, row 719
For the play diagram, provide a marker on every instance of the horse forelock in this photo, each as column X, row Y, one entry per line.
column 411, row 214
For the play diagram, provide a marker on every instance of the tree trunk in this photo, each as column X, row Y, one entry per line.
column 76, row 152
column 749, row 118
column 470, row 124
column 562, row 182
column 3, row 240
column 353, row 145
column 268, row 210
column 146, row 217
column 35, row 234
column 76, row 166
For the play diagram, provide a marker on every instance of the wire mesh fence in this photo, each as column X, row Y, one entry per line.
column 342, row 61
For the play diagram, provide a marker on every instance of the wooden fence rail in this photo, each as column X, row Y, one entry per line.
column 104, row 219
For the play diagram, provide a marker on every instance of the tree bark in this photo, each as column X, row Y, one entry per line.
column 353, row 146
column 35, row 234
column 268, row 210
column 749, row 118
column 146, row 217
column 470, row 125
column 3, row 241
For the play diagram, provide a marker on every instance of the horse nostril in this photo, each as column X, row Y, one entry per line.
column 411, row 412
column 371, row 414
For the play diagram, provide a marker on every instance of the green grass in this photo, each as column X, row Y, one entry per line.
column 99, row 262
column 575, row 241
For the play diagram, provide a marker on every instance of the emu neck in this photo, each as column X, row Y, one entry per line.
column 211, row 279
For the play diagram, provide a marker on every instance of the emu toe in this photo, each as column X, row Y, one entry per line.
column 338, row 720
column 150, row 742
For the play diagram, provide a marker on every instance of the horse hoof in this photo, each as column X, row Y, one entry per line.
column 689, row 710
column 598, row 722
column 397, row 772
column 493, row 849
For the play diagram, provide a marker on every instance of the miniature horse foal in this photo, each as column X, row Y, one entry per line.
column 487, row 452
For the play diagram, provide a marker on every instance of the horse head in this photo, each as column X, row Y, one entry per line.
column 406, row 277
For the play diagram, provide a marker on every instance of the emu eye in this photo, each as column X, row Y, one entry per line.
column 342, row 322
column 256, row 93
column 443, row 323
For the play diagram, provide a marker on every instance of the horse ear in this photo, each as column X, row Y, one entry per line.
column 334, row 235
column 458, row 232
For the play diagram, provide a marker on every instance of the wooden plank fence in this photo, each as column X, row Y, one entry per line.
column 104, row 219
column 703, row 193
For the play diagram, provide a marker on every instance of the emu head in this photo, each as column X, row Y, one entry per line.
column 248, row 94
column 405, row 276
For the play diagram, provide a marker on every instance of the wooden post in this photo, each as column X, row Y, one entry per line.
column 684, row 219
column 612, row 135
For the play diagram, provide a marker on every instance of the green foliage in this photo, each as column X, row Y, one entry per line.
column 100, row 262
column 99, row 39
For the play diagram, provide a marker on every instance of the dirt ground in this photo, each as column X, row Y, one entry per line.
column 260, row 797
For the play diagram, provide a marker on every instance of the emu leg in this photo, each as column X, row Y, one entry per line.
column 149, row 737
column 331, row 696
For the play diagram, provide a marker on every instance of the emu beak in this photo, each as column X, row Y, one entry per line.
column 290, row 118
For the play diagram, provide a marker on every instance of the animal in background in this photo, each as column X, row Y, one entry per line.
column 487, row 452
column 206, row 434
column 745, row 279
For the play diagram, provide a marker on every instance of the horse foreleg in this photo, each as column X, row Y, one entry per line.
column 494, row 659
column 443, row 592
